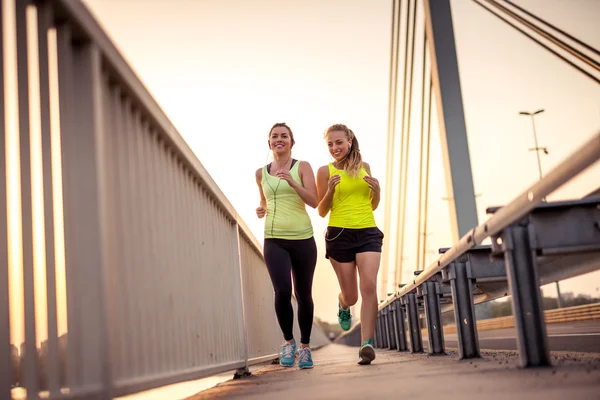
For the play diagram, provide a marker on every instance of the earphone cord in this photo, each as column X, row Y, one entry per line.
column 346, row 223
column 275, row 194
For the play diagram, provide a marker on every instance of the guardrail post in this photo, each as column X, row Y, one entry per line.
column 390, row 327
column 435, row 333
column 464, row 312
column 377, row 338
column 239, row 298
column 524, row 284
column 416, row 341
column 383, row 331
column 399, row 326
column 386, row 330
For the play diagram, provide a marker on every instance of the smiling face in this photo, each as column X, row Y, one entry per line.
column 338, row 144
column 280, row 140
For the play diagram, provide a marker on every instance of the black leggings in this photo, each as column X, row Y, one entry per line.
column 298, row 258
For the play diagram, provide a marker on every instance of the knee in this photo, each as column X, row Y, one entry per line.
column 368, row 289
column 283, row 295
column 351, row 298
column 304, row 298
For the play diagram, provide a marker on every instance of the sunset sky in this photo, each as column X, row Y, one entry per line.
column 224, row 71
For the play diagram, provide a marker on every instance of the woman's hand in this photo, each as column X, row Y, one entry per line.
column 373, row 184
column 285, row 175
column 261, row 211
column 333, row 182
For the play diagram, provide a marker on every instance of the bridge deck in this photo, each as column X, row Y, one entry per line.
column 403, row 375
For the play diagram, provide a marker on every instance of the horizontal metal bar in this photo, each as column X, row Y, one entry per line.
column 579, row 160
column 260, row 360
column 555, row 205
column 567, row 229
column 128, row 386
column 570, row 250
column 87, row 392
column 558, row 268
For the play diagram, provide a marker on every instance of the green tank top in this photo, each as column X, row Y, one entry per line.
column 286, row 212
column 351, row 205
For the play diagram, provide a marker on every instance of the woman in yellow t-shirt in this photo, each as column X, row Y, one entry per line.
column 286, row 186
column 349, row 193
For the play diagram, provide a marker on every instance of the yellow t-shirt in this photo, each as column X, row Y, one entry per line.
column 351, row 205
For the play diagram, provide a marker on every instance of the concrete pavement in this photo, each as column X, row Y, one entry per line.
column 419, row 376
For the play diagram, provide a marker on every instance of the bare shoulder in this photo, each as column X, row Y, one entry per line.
column 258, row 174
column 304, row 164
column 367, row 167
column 323, row 171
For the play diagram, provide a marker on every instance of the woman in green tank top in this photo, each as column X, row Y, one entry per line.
column 286, row 186
column 349, row 193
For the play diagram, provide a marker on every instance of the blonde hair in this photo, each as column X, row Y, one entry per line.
column 353, row 159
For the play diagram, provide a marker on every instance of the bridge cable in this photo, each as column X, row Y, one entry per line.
column 560, row 43
column 586, row 73
column 421, row 143
column 428, row 151
column 566, row 34
column 392, row 98
column 410, row 32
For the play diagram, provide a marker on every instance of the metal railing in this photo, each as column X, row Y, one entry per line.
column 588, row 312
column 533, row 243
column 164, row 282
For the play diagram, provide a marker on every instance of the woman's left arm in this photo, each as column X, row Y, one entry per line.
column 374, row 185
column 308, row 189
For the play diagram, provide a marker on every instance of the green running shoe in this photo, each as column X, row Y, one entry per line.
column 344, row 318
column 366, row 354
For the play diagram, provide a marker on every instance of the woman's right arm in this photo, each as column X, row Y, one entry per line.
column 261, row 210
column 325, row 189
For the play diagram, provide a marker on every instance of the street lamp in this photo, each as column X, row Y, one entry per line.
column 537, row 150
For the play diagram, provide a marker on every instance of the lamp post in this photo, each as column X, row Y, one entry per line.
column 537, row 150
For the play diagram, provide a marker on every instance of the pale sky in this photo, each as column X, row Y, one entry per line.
column 225, row 71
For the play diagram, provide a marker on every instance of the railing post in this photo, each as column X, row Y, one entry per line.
column 378, row 336
column 433, row 316
column 464, row 312
column 385, row 328
column 6, row 355
column 390, row 327
column 243, row 333
column 44, row 16
column 524, row 285
column 30, row 359
column 416, row 341
column 399, row 326
column 87, row 212
column 381, row 325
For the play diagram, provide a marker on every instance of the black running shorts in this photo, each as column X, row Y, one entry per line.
column 342, row 244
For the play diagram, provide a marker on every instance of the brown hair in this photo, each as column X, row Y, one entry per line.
column 284, row 125
column 353, row 159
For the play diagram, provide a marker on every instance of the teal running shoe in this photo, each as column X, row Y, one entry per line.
column 344, row 318
column 305, row 358
column 366, row 354
column 288, row 354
